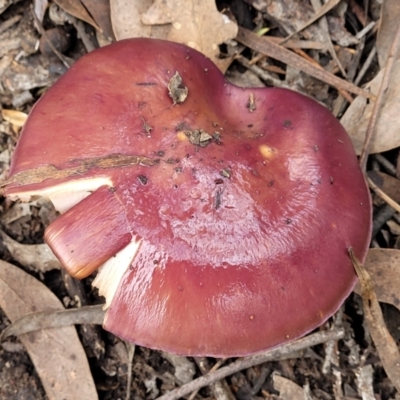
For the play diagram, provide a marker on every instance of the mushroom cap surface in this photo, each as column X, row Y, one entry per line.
column 240, row 204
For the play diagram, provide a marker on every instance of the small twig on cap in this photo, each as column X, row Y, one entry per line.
column 247, row 362
column 80, row 167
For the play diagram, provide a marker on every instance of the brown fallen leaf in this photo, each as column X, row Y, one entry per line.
column 384, row 342
column 39, row 8
column 379, row 192
column 394, row 228
column 78, row 10
column 35, row 257
column 390, row 16
column 57, row 354
column 387, row 183
column 383, row 265
column 288, row 390
column 381, row 99
column 99, row 10
column 196, row 23
column 126, row 20
column 356, row 118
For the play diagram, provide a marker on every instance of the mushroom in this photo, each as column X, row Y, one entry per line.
column 218, row 217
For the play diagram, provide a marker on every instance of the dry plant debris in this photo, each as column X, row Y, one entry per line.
column 383, row 267
column 196, row 23
column 34, row 257
column 25, row 74
column 57, row 354
column 357, row 116
column 287, row 389
column 389, row 24
column 385, row 344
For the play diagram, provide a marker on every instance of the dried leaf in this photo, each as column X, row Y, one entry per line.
column 196, row 23
column 384, row 342
column 78, row 10
column 387, row 183
column 14, row 117
column 126, row 20
column 384, row 267
column 100, row 12
column 389, row 23
column 356, row 118
column 394, row 227
column 40, row 7
column 36, row 257
column 57, row 354
column 287, row 389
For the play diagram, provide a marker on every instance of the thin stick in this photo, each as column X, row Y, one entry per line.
column 273, row 50
column 317, row 5
column 130, row 348
column 379, row 100
column 55, row 319
column 9, row 23
column 247, row 362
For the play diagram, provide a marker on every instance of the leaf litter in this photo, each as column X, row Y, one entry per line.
column 164, row 19
column 64, row 371
column 196, row 23
column 384, row 342
column 355, row 120
column 34, row 257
